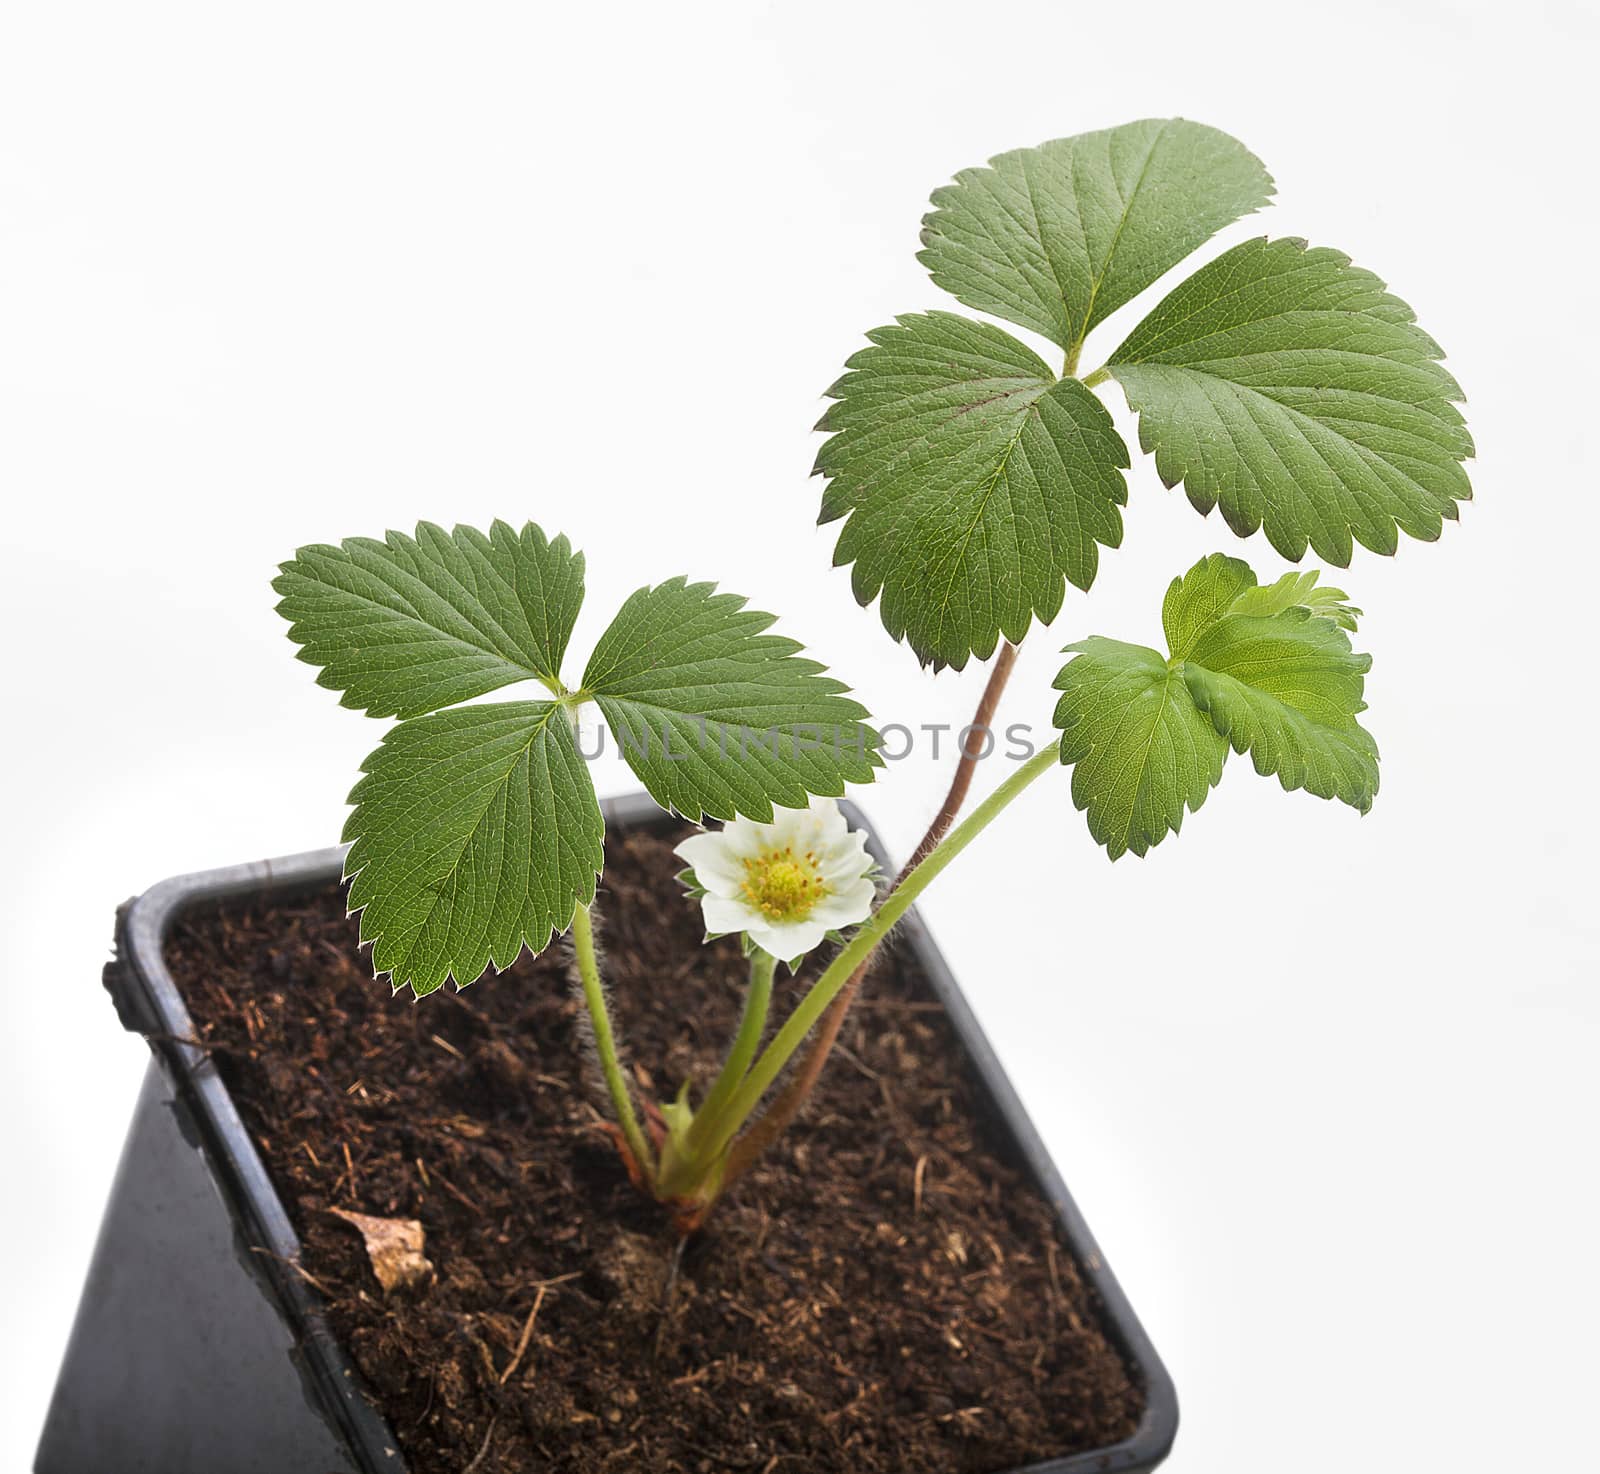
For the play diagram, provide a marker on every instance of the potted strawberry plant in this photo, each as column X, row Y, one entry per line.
column 720, row 1170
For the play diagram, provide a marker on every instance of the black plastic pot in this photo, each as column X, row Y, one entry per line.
column 198, row 1347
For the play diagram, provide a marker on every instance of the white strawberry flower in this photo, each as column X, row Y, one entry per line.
column 786, row 884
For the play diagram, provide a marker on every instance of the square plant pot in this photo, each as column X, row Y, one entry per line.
column 198, row 1344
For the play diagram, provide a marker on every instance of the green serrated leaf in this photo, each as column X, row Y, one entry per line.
column 410, row 625
column 1300, row 589
column 976, row 484
column 1220, row 585
column 475, row 833
column 1141, row 750
column 1287, row 689
column 1056, row 238
column 1289, row 388
column 1269, row 671
column 718, row 717
column 1201, row 597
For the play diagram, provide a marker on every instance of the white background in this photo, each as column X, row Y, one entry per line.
column 279, row 274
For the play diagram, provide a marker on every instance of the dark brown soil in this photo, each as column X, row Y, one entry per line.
column 884, row 1293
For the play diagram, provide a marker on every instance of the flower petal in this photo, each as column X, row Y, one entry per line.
column 832, row 826
column 723, row 915
column 715, row 865
column 846, row 907
column 788, row 827
column 745, row 837
column 846, row 861
column 788, row 940
column 815, row 828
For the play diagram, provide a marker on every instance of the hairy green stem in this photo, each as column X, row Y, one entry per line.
column 787, row 1103
column 606, row 1045
column 1099, row 376
column 752, row 1024
column 770, row 1065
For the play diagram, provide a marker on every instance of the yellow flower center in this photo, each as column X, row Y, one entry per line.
column 782, row 885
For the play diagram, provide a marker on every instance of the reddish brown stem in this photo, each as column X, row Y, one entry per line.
column 790, row 1101
column 973, row 749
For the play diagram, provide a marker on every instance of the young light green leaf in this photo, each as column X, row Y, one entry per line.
column 1289, row 388
column 1269, row 670
column 1141, row 750
column 1219, row 585
column 410, row 625
column 718, row 717
column 475, row 833
column 1273, row 668
column 975, row 484
column 1287, row 689
column 1200, row 598
column 1056, row 238
column 1300, row 589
